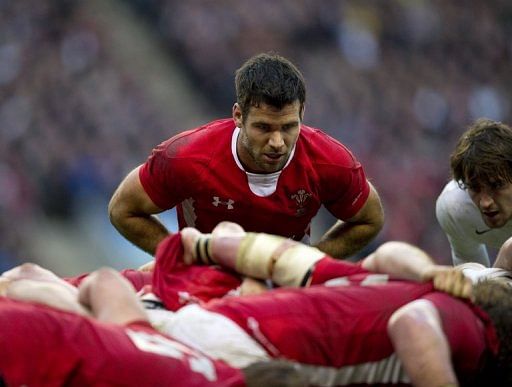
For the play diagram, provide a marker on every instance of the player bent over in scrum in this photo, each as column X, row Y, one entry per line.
column 114, row 344
column 375, row 323
column 352, row 329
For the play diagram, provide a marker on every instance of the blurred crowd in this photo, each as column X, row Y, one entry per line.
column 70, row 119
column 396, row 81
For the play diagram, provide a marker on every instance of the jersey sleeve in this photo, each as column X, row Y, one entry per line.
column 159, row 176
column 174, row 170
column 463, row 248
column 352, row 189
column 338, row 176
column 329, row 268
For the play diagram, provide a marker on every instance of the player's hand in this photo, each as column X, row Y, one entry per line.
column 449, row 280
column 147, row 267
column 189, row 237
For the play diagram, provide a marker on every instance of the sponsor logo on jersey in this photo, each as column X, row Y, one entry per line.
column 480, row 232
column 301, row 198
column 228, row 203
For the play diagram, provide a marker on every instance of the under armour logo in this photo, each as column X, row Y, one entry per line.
column 228, row 203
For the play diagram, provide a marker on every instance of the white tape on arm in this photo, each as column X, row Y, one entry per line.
column 293, row 264
column 254, row 256
column 283, row 261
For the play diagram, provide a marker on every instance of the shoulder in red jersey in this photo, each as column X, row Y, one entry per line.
column 176, row 168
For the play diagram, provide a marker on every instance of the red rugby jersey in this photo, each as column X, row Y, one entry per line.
column 197, row 171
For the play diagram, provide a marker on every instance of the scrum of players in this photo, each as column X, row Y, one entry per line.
column 238, row 297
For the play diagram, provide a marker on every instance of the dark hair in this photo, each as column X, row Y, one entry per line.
column 483, row 155
column 270, row 79
column 274, row 373
column 495, row 299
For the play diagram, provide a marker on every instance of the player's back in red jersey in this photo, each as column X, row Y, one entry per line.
column 342, row 329
column 42, row 346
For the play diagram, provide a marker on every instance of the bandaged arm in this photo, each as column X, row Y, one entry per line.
column 261, row 256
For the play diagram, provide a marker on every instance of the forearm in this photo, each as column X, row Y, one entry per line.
column 399, row 259
column 402, row 260
column 144, row 231
column 131, row 211
column 260, row 256
column 345, row 239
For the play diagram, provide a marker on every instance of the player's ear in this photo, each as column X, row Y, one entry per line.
column 237, row 115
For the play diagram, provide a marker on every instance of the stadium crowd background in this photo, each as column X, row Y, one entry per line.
column 88, row 88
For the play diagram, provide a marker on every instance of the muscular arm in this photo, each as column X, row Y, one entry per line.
column 132, row 212
column 420, row 343
column 287, row 262
column 348, row 237
column 405, row 261
column 401, row 260
column 260, row 256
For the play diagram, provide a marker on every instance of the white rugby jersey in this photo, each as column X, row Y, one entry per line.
column 467, row 233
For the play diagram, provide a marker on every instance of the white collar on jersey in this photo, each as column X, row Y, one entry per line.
column 261, row 184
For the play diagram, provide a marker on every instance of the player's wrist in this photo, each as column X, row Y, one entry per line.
column 203, row 250
column 429, row 272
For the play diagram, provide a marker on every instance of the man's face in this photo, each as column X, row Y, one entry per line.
column 267, row 136
column 494, row 202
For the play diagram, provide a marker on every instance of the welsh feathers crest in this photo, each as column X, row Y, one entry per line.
column 301, row 198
